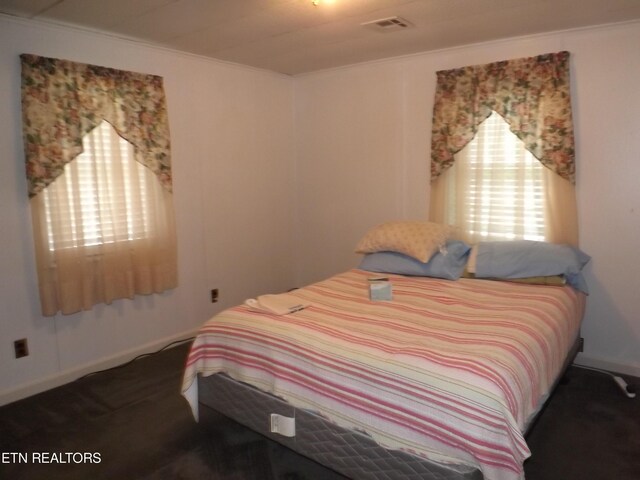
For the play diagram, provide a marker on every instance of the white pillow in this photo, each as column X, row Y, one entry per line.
column 473, row 258
column 416, row 239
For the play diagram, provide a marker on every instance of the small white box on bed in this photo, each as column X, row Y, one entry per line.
column 380, row 289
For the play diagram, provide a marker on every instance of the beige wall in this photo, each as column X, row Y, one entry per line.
column 362, row 143
column 276, row 178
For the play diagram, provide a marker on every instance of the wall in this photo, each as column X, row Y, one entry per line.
column 363, row 138
column 232, row 150
column 265, row 165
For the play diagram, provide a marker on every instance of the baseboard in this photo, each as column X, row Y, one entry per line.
column 608, row 365
column 58, row 379
column 67, row 376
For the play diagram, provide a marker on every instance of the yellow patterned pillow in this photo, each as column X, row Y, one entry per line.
column 419, row 240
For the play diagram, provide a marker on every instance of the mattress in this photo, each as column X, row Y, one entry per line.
column 450, row 372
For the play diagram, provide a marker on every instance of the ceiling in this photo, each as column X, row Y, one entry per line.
column 295, row 36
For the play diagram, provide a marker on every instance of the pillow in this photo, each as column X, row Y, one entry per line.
column 473, row 255
column 556, row 280
column 419, row 240
column 448, row 263
column 525, row 258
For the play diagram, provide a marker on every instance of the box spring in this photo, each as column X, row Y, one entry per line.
column 349, row 453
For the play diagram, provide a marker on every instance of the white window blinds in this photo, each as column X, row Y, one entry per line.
column 101, row 197
column 496, row 187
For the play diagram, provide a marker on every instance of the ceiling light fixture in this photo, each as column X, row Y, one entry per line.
column 316, row 3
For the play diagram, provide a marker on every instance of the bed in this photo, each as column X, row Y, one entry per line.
column 441, row 382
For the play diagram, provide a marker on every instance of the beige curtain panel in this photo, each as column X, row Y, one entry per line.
column 99, row 174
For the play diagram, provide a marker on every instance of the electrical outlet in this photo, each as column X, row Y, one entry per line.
column 214, row 295
column 21, row 348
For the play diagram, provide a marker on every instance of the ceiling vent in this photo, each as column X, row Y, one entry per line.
column 390, row 24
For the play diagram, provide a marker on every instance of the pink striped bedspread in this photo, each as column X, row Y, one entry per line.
column 448, row 370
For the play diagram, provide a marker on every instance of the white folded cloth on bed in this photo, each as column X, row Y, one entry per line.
column 278, row 304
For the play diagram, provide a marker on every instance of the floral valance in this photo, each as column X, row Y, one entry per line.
column 62, row 101
column 531, row 94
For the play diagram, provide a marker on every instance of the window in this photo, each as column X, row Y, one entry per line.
column 496, row 187
column 98, row 165
column 493, row 184
column 102, row 196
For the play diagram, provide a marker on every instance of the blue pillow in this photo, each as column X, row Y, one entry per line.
column 447, row 264
column 525, row 258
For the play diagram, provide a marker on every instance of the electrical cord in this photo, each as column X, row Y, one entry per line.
column 143, row 355
column 628, row 390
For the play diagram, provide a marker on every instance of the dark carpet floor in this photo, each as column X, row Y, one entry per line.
column 134, row 421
